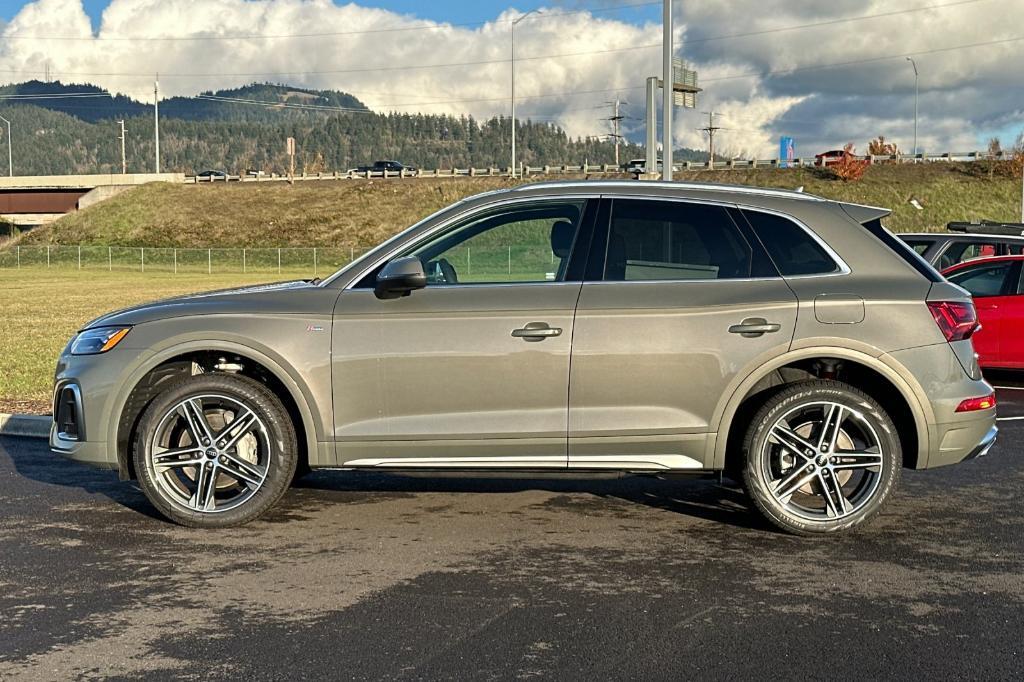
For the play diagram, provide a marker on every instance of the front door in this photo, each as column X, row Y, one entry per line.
column 474, row 368
column 685, row 300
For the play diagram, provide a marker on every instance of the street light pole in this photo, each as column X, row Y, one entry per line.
column 515, row 22
column 914, row 64
column 667, row 92
column 156, row 122
column 10, row 154
column 124, row 163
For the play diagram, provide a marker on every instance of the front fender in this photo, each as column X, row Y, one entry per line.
column 298, row 388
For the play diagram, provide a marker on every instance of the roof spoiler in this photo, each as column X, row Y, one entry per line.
column 988, row 227
column 865, row 214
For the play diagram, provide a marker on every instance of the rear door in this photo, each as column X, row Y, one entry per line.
column 680, row 297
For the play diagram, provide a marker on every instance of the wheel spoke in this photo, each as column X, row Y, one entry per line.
column 233, row 432
column 857, row 460
column 832, row 491
column 206, row 486
column 830, row 428
column 199, row 428
column 241, row 470
column 792, row 441
column 172, row 459
column 793, row 482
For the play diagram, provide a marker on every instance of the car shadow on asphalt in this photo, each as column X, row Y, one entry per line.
column 700, row 498
column 706, row 499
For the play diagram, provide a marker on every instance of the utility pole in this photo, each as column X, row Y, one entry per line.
column 711, row 129
column 10, row 154
column 651, row 165
column 668, row 96
column 914, row 64
column 156, row 120
column 124, row 163
column 512, row 170
column 616, row 119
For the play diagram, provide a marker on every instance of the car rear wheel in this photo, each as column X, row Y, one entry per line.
column 215, row 450
column 821, row 457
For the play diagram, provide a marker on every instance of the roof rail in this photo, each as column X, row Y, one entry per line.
column 987, row 227
column 696, row 186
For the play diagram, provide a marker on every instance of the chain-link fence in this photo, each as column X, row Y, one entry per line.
column 471, row 264
column 314, row 260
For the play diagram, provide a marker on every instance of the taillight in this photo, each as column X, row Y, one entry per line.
column 957, row 320
column 974, row 404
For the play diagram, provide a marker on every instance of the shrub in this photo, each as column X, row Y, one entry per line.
column 849, row 169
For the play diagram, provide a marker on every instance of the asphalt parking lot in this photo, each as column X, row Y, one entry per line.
column 366, row 576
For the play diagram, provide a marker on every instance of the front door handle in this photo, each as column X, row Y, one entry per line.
column 753, row 327
column 536, row 331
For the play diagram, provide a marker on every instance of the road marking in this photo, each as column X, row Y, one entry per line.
column 1008, row 419
column 1009, row 388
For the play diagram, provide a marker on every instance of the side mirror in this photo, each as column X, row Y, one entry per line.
column 399, row 277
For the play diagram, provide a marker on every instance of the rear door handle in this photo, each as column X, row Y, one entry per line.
column 754, row 326
column 536, row 331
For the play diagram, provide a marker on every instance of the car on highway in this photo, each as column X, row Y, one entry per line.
column 212, row 174
column 395, row 167
column 966, row 241
column 833, row 157
column 573, row 328
column 998, row 290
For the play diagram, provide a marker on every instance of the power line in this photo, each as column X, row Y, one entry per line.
column 497, row 61
column 330, row 34
column 752, row 74
column 827, row 22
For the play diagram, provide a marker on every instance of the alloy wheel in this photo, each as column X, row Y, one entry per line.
column 822, row 461
column 209, row 453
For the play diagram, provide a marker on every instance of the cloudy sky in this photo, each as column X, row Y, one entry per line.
column 823, row 72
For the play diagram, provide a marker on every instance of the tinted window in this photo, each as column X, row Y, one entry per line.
column 910, row 256
column 793, row 250
column 525, row 243
column 958, row 252
column 918, row 245
column 670, row 240
column 986, row 279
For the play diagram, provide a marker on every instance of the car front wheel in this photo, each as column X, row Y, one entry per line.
column 821, row 457
column 215, row 450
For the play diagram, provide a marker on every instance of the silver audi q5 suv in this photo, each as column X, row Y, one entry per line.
column 648, row 328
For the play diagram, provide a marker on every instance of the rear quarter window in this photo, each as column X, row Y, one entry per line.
column 793, row 250
column 900, row 248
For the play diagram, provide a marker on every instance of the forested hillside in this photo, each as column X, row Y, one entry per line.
column 80, row 134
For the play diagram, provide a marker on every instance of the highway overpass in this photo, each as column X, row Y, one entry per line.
column 36, row 199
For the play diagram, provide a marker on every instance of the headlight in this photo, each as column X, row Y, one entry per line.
column 98, row 340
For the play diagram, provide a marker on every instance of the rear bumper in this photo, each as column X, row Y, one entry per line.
column 963, row 441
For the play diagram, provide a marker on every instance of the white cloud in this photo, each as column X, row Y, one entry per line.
column 964, row 93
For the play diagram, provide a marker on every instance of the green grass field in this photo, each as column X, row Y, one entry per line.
column 40, row 309
column 345, row 214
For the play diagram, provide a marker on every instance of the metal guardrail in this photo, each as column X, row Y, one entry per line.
column 589, row 169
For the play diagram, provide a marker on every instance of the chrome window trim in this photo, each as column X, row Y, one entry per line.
column 842, row 267
column 459, row 216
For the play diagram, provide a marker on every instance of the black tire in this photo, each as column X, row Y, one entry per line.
column 270, row 459
column 774, row 488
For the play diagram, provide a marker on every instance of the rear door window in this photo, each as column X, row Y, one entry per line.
column 671, row 240
column 793, row 250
